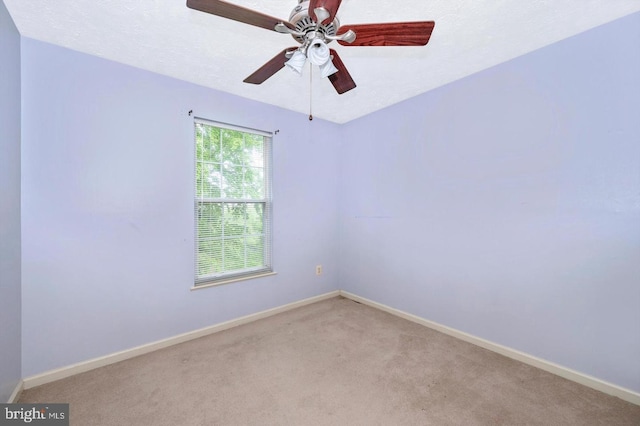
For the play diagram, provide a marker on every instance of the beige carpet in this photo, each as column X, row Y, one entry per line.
column 335, row 362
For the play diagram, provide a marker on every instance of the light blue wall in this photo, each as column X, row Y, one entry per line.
column 107, row 207
column 507, row 204
column 10, row 356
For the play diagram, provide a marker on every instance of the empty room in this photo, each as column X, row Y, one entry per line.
column 320, row 212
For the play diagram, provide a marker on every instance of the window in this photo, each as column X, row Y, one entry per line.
column 232, row 203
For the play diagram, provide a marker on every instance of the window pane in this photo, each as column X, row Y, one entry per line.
column 234, row 219
column 255, row 218
column 232, row 169
column 254, row 150
column 232, row 181
column 209, row 221
column 232, row 146
column 208, row 142
column 254, row 183
column 200, row 129
column 255, row 250
column 234, row 253
column 209, row 260
column 210, row 180
column 198, row 179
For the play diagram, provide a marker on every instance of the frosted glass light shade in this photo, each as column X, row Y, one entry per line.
column 318, row 52
column 327, row 69
column 297, row 61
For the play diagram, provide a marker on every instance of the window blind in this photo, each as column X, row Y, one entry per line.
column 232, row 202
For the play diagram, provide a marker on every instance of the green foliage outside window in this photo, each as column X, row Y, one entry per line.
column 231, row 201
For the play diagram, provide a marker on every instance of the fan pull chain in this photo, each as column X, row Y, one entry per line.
column 310, row 90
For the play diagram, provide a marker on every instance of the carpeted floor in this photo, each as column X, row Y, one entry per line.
column 335, row 362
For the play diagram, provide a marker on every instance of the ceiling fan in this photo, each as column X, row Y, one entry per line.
column 314, row 24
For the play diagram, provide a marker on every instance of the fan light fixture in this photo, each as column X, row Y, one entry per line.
column 314, row 24
column 318, row 54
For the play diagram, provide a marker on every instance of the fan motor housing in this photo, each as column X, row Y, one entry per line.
column 303, row 23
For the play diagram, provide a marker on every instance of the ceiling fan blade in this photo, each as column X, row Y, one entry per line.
column 389, row 34
column 330, row 6
column 341, row 80
column 236, row 13
column 270, row 68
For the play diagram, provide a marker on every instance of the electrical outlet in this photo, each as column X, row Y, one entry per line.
column 318, row 269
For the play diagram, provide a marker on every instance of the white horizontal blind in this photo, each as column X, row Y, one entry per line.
column 232, row 202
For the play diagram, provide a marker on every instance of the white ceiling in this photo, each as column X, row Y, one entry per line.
column 166, row 37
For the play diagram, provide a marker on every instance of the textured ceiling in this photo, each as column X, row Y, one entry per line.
column 166, row 37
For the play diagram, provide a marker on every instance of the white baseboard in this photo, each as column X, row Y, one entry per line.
column 567, row 373
column 15, row 395
column 61, row 373
column 592, row 382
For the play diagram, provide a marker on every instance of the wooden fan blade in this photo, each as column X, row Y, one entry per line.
column 270, row 68
column 236, row 13
column 341, row 80
column 390, row 34
column 330, row 6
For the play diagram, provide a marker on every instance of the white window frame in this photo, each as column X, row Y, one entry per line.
column 228, row 276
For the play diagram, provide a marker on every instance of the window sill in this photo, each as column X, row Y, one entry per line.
column 231, row 280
